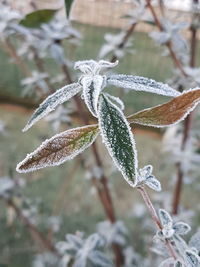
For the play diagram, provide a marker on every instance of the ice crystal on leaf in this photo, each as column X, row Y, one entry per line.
column 59, row 148
column 118, row 139
column 195, row 241
column 192, row 259
column 139, row 83
column 145, row 176
column 92, row 87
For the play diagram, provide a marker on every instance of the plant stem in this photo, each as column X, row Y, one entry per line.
column 125, row 39
column 101, row 184
column 188, row 120
column 187, row 125
column 10, row 49
column 175, row 59
column 155, row 218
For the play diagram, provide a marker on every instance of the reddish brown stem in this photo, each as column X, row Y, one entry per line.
column 125, row 39
column 187, row 127
column 155, row 218
column 176, row 61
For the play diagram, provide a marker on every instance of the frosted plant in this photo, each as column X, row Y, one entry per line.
column 116, row 133
column 169, row 228
column 113, row 232
column 132, row 258
column 189, row 157
column 145, row 177
column 112, row 45
column 37, row 79
column 170, row 32
column 8, row 19
column 113, row 126
column 83, row 252
column 45, row 40
column 136, row 14
column 60, row 116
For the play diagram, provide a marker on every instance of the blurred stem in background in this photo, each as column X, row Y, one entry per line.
column 188, row 122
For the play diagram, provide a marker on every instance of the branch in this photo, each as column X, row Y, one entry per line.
column 187, row 125
column 155, row 218
column 101, row 185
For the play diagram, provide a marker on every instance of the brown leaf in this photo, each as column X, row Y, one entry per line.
column 59, row 148
column 169, row 113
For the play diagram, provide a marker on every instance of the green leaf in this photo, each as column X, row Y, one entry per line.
column 60, row 148
column 36, row 18
column 68, row 5
column 52, row 101
column 169, row 113
column 118, row 139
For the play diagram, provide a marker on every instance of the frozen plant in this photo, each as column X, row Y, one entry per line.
column 169, row 228
column 170, row 33
column 145, row 177
column 114, row 127
column 8, row 20
column 113, row 45
column 36, row 79
column 83, row 252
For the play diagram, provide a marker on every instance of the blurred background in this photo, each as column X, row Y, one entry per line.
column 63, row 199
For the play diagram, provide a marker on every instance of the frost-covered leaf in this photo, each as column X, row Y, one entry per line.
column 195, row 241
column 141, row 84
column 153, row 184
column 116, row 100
column 91, row 91
column 59, row 148
column 118, row 138
column 169, row 113
column 164, row 217
column 145, row 176
column 93, row 67
column 36, row 18
column 52, row 101
column 192, row 259
column 181, row 228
